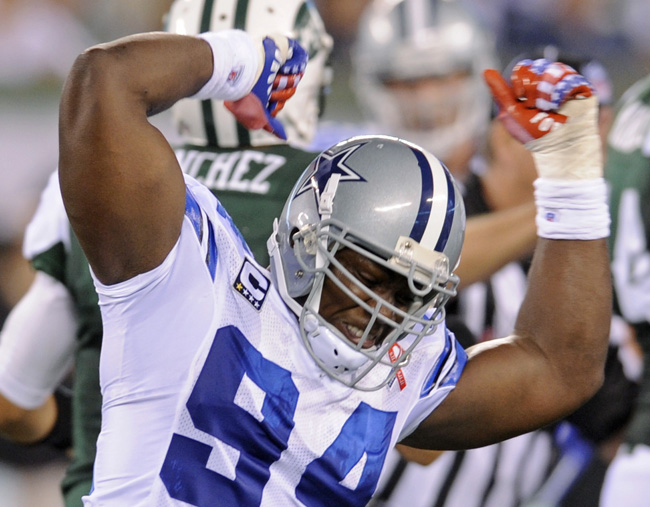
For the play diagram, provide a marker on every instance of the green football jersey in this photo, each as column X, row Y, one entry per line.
column 628, row 175
column 65, row 261
column 252, row 184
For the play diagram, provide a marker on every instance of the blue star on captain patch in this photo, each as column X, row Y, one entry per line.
column 329, row 164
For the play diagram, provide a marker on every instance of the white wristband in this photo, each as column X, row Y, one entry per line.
column 572, row 209
column 236, row 60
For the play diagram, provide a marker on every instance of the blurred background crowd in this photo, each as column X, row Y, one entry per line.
column 39, row 40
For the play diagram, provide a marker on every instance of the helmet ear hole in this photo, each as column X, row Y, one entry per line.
column 293, row 232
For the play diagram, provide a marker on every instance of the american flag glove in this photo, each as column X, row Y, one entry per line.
column 282, row 65
column 552, row 110
column 529, row 106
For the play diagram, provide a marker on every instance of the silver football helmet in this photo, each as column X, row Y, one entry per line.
column 393, row 203
column 209, row 122
column 404, row 43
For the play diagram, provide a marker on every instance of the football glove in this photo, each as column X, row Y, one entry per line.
column 552, row 110
column 282, row 65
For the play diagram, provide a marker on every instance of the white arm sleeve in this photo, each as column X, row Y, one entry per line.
column 37, row 343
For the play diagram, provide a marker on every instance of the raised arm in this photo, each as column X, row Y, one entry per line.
column 121, row 184
column 554, row 361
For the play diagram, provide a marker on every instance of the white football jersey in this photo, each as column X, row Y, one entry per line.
column 210, row 397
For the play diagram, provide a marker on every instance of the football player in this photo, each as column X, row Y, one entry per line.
column 227, row 384
column 58, row 322
column 417, row 74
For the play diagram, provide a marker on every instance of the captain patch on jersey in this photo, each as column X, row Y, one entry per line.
column 252, row 284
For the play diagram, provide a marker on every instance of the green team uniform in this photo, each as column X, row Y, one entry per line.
column 628, row 174
column 252, row 184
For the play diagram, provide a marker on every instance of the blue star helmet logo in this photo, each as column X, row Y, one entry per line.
column 326, row 165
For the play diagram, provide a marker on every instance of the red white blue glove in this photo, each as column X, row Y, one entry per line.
column 282, row 65
column 529, row 106
column 552, row 110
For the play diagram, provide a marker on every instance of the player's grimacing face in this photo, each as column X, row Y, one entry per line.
column 350, row 319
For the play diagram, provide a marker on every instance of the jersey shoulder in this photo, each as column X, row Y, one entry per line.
column 47, row 236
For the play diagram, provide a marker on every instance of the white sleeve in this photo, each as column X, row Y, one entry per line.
column 37, row 343
column 50, row 224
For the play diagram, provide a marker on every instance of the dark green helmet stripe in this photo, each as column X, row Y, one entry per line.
column 241, row 14
column 208, row 122
column 206, row 17
column 206, row 105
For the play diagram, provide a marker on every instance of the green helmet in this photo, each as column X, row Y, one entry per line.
column 208, row 123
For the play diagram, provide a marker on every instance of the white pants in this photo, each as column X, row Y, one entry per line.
column 627, row 481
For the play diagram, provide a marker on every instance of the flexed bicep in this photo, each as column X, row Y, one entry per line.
column 121, row 183
column 122, row 186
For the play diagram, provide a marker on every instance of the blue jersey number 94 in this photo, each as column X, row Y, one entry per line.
column 261, row 440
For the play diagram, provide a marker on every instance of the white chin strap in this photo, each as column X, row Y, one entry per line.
column 329, row 348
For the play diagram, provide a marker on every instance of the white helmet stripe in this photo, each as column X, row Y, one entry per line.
column 434, row 220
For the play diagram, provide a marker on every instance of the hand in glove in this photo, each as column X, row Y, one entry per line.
column 282, row 64
column 551, row 109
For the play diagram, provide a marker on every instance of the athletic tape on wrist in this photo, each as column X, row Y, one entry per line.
column 236, row 60
column 574, row 209
column 573, row 151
